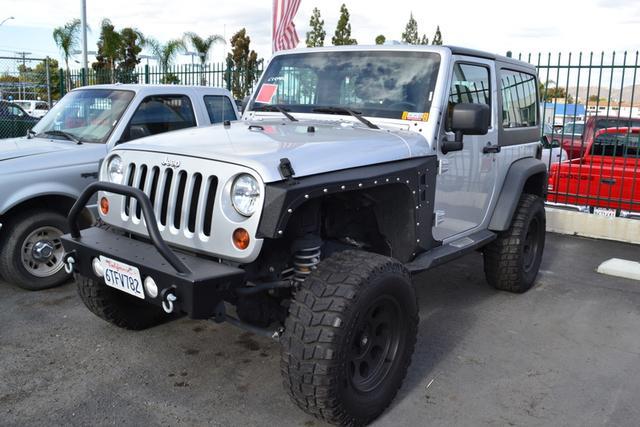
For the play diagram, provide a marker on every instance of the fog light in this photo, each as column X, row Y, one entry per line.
column 151, row 287
column 241, row 238
column 98, row 269
column 104, row 205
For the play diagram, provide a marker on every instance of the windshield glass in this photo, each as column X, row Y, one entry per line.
column 89, row 115
column 389, row 84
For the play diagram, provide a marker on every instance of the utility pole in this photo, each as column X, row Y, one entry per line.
column 85, row 66
column 21, row 90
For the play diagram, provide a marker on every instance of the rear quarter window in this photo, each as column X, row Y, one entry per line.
column 519, row 99
column 219, row 108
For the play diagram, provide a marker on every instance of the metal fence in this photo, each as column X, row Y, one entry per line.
column 25, row 91
column 590, row 111
column 214, row 74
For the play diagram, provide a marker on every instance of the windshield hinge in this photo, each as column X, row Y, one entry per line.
column 286, row 170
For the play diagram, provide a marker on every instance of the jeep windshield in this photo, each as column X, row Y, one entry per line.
column 378, row 83
column 85, row 115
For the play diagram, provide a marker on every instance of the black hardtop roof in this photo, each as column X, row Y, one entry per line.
column 457, row 50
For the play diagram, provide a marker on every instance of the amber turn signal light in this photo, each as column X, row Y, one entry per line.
column 241, row 238
column 104, row 205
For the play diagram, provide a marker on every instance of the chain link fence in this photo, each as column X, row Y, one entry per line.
column 26, row 93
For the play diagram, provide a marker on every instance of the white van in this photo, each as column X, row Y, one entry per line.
column 33, row 107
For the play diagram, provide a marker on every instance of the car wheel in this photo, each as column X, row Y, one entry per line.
column 32, row 254
column 512, row 261
column 349, row 337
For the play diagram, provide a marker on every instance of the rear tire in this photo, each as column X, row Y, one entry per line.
column 512, row 261
column 114, row 306
column 21, row 262
column 349, row 337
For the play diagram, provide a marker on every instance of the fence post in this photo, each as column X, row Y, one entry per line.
column 227, row 76
column 83, row 75
column 62, row 82
column 146, row 73
column 46, row 66
column 509, row 54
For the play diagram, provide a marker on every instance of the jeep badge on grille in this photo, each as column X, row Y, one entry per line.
column 171, row 163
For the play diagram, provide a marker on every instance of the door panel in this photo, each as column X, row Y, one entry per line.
column 467, row 179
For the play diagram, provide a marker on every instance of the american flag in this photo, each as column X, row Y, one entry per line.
column 284, row 30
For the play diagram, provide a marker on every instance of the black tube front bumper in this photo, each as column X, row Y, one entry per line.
column 198, row 284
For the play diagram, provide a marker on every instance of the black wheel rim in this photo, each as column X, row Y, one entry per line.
column 374, row 346
column 531, row 244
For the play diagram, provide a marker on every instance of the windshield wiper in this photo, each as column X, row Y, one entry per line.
column 67, row 135
column 278, row 108
column 342, row 110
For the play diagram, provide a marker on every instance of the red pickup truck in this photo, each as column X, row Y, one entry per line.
column 575, row 137
column 607, row 176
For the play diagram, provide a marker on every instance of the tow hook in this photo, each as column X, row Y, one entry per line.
column 69, row 263
column 168, row 298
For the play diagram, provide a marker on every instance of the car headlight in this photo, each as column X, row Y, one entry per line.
column 245, row 193
column 115, row 171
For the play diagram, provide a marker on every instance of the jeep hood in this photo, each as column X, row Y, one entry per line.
column 312, row 146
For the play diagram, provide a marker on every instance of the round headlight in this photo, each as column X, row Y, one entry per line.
column 245, row 193
column 115, row 171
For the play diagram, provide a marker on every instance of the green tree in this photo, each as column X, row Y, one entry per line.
column 109, row 44
column 437, row 37
column 315, row 37
column 166, row 54
column 202, row 46
column 424, row 39
column 131, row 43
column 242, row 62
column 67, row 39
column 381, row 39
column 342, row 35
column 558, row 93
column 410, row 34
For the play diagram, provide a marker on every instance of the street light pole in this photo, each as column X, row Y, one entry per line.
column 85, row 65
column 6, row 19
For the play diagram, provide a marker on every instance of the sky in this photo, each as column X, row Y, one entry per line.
column 495, row 26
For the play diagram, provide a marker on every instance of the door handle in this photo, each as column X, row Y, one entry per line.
column 609, row 181
column 490, row 148
column 89, row 175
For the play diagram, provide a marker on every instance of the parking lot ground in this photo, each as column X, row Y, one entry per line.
column 567, row 353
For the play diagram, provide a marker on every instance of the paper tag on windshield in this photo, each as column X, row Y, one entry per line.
column 266, row 93
column 415, row 117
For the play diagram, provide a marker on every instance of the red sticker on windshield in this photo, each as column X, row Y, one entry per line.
column 266, row 93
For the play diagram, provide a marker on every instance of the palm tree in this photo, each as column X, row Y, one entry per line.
column 166, row 53
column 67, row 39
column 202, row 46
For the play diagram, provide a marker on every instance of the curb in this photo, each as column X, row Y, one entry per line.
column 589, row 225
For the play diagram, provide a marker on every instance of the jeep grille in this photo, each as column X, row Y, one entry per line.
column 181, row 200
column 190, row 198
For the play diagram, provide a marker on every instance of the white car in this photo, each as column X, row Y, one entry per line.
column 34, row 108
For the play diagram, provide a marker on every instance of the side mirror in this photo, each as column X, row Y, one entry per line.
column 467, row 119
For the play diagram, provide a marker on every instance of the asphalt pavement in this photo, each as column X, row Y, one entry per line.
column 567, row 353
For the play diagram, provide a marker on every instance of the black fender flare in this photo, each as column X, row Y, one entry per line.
column 514, row 184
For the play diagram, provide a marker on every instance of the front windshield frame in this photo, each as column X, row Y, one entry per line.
column 47, row 122
column 433, row 63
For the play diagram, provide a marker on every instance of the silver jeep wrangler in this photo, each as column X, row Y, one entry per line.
column 352, row 169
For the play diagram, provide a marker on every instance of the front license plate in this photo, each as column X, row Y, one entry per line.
column 605, row 212
column 122, row 276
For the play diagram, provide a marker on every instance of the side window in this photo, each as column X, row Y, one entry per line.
column 219, row 108
column 42, row 106
column 158, row 114
column 519, row 99
column 15, row 111
column 470, row 84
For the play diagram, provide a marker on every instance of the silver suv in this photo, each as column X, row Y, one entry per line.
column 352, row 169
